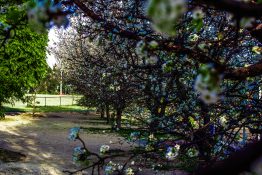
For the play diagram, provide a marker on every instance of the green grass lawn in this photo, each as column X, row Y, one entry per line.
column 48, row 103
column 47, row 109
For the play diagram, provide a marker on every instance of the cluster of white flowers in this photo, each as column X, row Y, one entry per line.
column 152, row 60
column 208, row 96
column 165, row 13
column 78, row 153
column 172, row 152
column 104, row 149
column 257, row 49
column 153, row 44
column 151, row 137
column 192, row 152
column 111, row 167
column 198, row 14
column 223, row 121
column 119, row 166
column 141, row 51
column 193, row 37
column 129, row 171
column 149, row 147
column 74, row 133
column 207, row 84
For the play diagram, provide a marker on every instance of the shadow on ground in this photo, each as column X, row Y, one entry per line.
column 43, row 141
column 41, row 146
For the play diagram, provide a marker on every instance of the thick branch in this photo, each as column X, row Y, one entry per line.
column 239, row 73
column 240, row 9
column 244, row 72
column 107, row 25
column 164, row 45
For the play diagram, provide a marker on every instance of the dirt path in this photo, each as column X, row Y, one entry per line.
column 44, row 141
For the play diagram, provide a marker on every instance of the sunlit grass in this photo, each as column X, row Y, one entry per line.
column 48, row 109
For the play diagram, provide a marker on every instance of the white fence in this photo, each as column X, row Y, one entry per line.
column 50, row 100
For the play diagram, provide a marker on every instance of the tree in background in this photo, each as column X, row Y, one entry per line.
column 103, row 81
column 22, row 55
column 50, row 83
column 199, row 65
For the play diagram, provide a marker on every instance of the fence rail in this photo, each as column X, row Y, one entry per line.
column 48, row 100
column 56, row 101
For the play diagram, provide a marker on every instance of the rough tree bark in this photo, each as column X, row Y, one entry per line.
column 107, row 113
column 203, row 136
column 118, row 117
column 102, row 112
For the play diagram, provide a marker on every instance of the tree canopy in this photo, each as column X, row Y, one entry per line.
column 23, row 53
column 190, row 70
column 193, row 66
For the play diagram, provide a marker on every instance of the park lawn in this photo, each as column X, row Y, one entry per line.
column 48, row 109
column 47, row 100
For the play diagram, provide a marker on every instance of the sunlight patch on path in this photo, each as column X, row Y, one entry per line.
column 10, row 123
column 43, row 140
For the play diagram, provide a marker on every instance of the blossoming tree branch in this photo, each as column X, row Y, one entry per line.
column 184, row 76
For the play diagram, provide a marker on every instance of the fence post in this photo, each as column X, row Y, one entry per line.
column 60, row 100
column 45, row 101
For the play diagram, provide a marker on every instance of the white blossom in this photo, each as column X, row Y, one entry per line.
column 74, row 133
column 104, row 149
column 172, row 152
column 193, row 37
column 140, row 49
column 153, row 44
column 129, row 171
column 257, row 49
column 152, row 60
column 165, row 13
column 198, row 14
column 209, row 97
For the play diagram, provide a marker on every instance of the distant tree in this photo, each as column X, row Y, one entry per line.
column 50, row 83
column 103, row 81
column 196, row 65
column 22, row 53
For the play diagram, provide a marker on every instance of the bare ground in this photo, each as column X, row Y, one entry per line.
column 43, row 140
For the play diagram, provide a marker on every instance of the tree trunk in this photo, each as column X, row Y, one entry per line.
column 118, row 118
column 102, row 112
column 203, row 137
column 2, row 112
column 158, row 113
column 107, row 114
